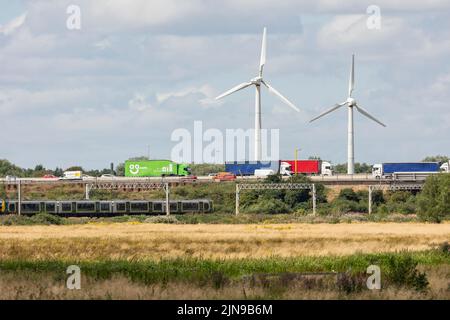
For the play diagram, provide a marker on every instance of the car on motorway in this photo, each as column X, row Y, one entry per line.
column 107, row 176
column 225, row 176
column 11, row 178
column 87, row 177
column 188, row 179
column 49, row 176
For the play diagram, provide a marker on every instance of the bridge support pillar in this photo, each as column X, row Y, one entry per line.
column 87, row 191
column 370, row 199
column 237, row 199
column 19, row 194
column 314, row 198
column 166, row 189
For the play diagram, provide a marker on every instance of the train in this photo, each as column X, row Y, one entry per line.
column 104, row 208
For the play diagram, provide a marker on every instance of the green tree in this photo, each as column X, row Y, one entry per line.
column 434, row 199
column 7, row 168
column 437, row 158
column 75, row 168
column 120, row 169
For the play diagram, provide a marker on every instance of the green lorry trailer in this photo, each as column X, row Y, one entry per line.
column 155, row 168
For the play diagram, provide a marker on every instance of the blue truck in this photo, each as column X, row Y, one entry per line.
column 405, row 170
column 248, row 168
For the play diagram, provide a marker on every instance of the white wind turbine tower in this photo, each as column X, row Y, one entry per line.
column 350, row 103
column 257, row 81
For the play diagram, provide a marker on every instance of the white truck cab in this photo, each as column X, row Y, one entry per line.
column 377, row 171
column 445, row 167
column 285, row 169
column 326, row 169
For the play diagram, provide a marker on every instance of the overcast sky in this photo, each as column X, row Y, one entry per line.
column 137, row 70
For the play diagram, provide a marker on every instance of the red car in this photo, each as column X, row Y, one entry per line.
column 50, row 176
column 189, row 179
column 225, row 176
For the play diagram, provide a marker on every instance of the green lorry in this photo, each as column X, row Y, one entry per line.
column 155, row 168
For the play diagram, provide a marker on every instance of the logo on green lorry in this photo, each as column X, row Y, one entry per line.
column 155, row 168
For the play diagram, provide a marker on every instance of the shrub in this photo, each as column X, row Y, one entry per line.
column 402, row 272
column 162, row 219
column 46, row 218
column 348, row 194
column 434, row 200
column 350, row 283
column 268, row 206
column 445, row 248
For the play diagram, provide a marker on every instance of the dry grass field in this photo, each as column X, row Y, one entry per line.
column 142, row 241
column 41, row 286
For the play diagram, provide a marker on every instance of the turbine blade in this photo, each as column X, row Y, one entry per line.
column 262, row 62
column 234, row 89
column 351, row 82
column 336, row 106
column 279, row 95
column 364, row 112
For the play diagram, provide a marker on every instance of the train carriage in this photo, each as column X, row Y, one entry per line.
column 92, row 208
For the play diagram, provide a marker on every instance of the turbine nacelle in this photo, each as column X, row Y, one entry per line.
column 351, row 102
column 256, row 80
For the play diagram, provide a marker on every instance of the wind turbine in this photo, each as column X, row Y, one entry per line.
column 350, row 103
column 257, row 81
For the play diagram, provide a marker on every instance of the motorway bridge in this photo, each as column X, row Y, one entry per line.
column 341, row 179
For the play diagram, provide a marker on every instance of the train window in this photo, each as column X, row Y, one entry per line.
column 104, row 206
column 206, row 206
column 86, row 206
column 157, row 206
column 50, row 207
column 190, row 206
column 121, row 206
column 66, row 207
column 11, row 207
column 139, row 206
column 173, row 206
column 31, row 207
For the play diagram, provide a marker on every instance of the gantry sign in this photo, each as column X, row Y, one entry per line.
column 276, row 186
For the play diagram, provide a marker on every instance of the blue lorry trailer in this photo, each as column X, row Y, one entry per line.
column 247, row 168
column 389, row 168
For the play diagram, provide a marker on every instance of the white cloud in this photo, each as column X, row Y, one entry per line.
column 13, row 25
column 206, row 92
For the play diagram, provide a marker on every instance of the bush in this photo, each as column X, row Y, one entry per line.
column 402, row 272
column 348, row 194
column 268, row 206
column 350, row 283
column 162, row 219
column 14, row 220
column 46, row 218
column 434, row 200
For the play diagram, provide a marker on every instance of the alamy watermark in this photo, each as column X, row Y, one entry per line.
column 74, row 279
column 374, row 20
column 214, row 146
column 374, row 280
column 73, row 21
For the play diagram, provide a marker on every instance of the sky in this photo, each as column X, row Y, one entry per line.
column 135, row 71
